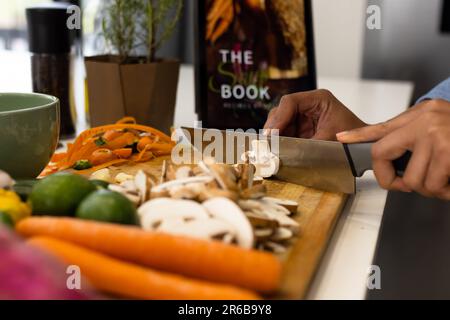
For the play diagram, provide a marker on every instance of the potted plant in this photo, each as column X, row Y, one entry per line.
column 131, row 80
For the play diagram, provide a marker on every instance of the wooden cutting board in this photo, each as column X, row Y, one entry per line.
column 317, row 215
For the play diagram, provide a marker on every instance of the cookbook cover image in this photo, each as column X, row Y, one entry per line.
column 250, row 54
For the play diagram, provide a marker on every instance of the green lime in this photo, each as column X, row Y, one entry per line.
column 6, row 220
column 100, row 184
column 59, row 194
column 107, row 206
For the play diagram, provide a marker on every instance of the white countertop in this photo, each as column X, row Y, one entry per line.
column 343, row 270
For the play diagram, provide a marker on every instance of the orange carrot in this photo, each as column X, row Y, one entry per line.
column 123, row 153
column 206, row 260
column 126, row 139
column 111, row 134
column 143, row 142
column 131, row 281
column 127, row 120
column 102, row 156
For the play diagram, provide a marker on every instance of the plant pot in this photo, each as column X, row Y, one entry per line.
column 145, row 91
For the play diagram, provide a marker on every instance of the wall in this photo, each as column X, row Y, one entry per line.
column 410, row 45
column 339, row 31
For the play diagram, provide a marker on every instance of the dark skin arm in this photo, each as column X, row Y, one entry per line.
column 423, row 129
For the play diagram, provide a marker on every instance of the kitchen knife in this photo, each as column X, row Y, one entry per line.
column 325, row 165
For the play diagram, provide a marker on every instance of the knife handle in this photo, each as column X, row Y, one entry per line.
column 360, row 158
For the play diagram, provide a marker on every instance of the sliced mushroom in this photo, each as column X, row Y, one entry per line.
column 207, row 229
column 258, row 180
column 267, row 164
column 184, row 192
column 224, row 176
column 262, row 234
column 275, row 247
column 142, row 183
column 268, row 210
column 282, row 234
column 210, row 193
column 183, row 172
column 130, row 194
column 226, row 210
column 290, row 205
column 122, row 177
column 154, row 212
column 181, row 182
column 102, row 174
column 258, row 221
column 255, row 192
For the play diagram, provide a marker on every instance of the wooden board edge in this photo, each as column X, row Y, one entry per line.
column 301, row 265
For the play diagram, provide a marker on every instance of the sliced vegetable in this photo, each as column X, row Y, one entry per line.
column 82, row 165
column 207, row 260
column 102, row 156
column 117, row 138
column 124, row 153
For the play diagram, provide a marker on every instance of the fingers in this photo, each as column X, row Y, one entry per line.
column 296, row 104
column 437, row 180
column 364, row 134
column 391, row 147
column 282, row 116
column 378, row 131
column 418, row 167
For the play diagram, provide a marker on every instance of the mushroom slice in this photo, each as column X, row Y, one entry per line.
column 183, row 172
column 102, row 174
column 255, row 192
column 122, row 177
column 282, row 234
column 290, row 205
column 131, row 195
column 207, row 229
column 226, row 210
column 209, row 193
column 184, row 192
column 154, row 212
column 224, row 176
column 142, row 184
column 275, row 247
column 261, row 222
column 264, row 234
column 269, row 210
column 267, row 164
column 258, row 180
column 181, row 182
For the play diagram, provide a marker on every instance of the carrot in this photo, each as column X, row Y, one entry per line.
column 102, row 156
column 123, row 153
column 131, row 120
column 58, row 157
column 125, row 139
column 206, row 260
column 131, row 281
column 111, row 134
column 143, row 142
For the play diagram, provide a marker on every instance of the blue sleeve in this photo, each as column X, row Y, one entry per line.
column 442, row 91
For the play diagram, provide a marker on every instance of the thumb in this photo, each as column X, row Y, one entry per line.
column 364, row 134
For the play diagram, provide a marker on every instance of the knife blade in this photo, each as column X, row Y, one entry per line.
column 324, row 165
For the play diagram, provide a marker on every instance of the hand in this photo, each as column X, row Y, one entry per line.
column 314, row 114
column 425, row 131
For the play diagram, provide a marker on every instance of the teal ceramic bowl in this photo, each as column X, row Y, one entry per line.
column 29, row 130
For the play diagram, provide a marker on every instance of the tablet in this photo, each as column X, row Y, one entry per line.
column 249, row 53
